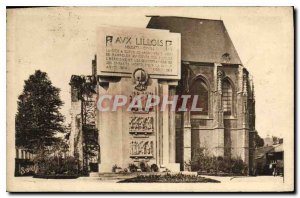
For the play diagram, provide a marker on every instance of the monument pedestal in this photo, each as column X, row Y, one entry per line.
column 123, row 138
column 173, row 167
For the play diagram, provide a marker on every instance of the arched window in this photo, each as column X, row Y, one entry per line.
column 200, row 88
column 227, row 95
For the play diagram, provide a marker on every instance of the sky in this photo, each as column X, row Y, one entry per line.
column 62, row 42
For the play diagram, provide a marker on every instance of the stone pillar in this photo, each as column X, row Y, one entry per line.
column 245, row 101
column 240, row 136
column 240, row 98
column 165, row 127
column 173, row 166
column 218, row 132
column 187, row 133
column 172, row 129
column 220, row 120
column 252, row 131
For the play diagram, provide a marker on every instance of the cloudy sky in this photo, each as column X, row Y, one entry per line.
column 61, row 42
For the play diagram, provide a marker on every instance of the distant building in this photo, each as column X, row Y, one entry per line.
column 268, row 141
column 269, row 158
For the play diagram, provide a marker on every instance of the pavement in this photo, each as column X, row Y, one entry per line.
column 116, row 178
column 105, row 184
column 247, row 179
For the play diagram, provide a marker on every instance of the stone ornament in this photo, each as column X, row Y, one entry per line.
column 141, row 148
column 141, row 78
column 144, row 95
column 141, row 124
column 89, row 112
column 220, row 75
column 245, row 88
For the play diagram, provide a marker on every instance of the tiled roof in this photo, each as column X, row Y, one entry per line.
column 260, row 152
column 278, row 148
column 202, row 40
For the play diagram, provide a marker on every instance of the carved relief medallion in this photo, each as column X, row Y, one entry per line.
column 141, row 78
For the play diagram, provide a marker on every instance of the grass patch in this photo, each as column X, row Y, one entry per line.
column 169, row 178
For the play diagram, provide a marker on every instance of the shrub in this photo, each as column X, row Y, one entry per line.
column 239, row 167
column 188, row 165
column 115, row 167
column 154, row 168
column 132, row 168
column 144, row 167
column 215, row 165
column 56, row 165
column 168, row 178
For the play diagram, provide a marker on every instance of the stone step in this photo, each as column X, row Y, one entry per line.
column 162, row 169
column 109, row 174
column 94, row 174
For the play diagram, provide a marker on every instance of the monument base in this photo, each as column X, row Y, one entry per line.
column 105, row 168
column 173, row 167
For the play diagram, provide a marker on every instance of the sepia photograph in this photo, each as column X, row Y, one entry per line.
column 150, row 99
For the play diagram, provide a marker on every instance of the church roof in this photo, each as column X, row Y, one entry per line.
column 202, row 40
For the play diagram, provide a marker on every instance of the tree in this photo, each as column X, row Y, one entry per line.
column 259, row 142
column 275, row 139
column 38, row 119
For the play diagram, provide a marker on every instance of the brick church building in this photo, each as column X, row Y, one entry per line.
column 210, row 68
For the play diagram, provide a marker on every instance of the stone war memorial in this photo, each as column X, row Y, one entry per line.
column 123, row 56
column 172, row 60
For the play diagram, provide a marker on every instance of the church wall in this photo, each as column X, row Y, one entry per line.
column 240, row 144
column 210, row 140
column 206, row 70
column 179, row 139
column 206, row 134
column 225, row 135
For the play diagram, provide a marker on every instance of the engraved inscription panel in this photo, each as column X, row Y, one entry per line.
column 122, row 50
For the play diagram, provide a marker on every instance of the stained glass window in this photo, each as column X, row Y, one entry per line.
column 227, row 97
column 200, row 88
